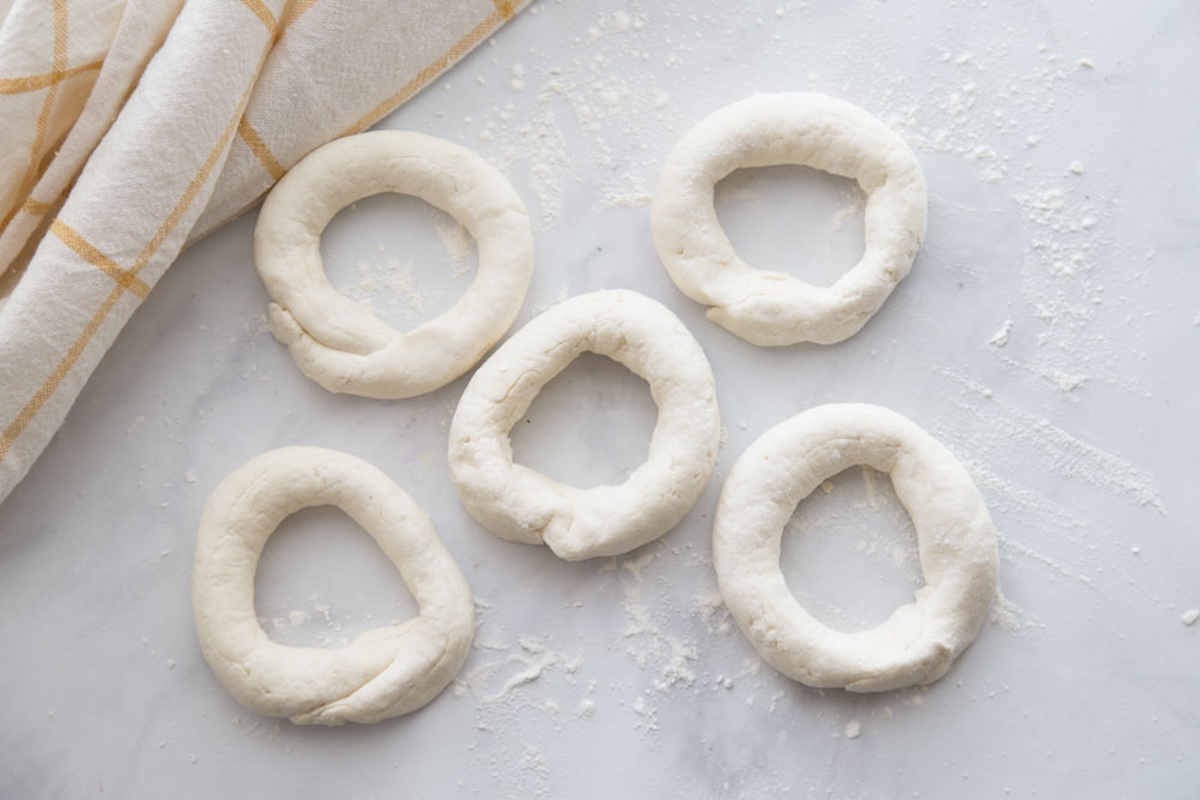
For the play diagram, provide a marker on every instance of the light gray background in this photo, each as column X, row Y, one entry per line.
column 1047, row 335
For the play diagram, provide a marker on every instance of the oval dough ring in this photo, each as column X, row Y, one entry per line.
column 957, row 545
column 340, row 343
column 522, row 505
column 384, row 672
column 772, row 308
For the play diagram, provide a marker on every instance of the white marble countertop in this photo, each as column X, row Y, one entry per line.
column 1048, row 335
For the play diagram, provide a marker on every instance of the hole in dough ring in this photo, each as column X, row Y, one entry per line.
column 523, row 505
column 955, row 538
column 342, row 344
column 773, row 308
column 384, row 672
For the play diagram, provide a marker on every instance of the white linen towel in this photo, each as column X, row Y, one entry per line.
column 129, row 127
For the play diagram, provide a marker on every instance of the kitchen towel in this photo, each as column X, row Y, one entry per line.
column 130, row 127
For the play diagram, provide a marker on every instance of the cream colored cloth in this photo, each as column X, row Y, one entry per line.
column 129, row 127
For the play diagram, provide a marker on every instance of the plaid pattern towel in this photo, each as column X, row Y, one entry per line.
column 129, row 127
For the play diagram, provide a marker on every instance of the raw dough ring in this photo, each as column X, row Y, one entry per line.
column 523, row 505
column 341, row 344
column 957, row 544
column 384, row 672
column 772, row 308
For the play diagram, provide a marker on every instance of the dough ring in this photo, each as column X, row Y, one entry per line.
column 341, row 344
column 772, row 308
column 954, row 535
column 523, row 505
column 384, row 672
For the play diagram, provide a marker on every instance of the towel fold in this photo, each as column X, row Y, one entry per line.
column 130, row 127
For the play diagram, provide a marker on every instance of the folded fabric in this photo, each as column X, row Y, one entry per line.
column 129, row 127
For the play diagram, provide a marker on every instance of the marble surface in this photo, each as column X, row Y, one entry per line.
column 1048, row 334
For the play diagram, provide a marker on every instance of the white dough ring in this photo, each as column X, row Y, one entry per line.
column 340, row 343
column 957, row 545
column 384, row 672
column 523, row 505
column 772, row 308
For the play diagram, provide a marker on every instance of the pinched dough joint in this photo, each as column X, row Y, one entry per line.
column 955, row 538
column 384, row 672
column 522, row 505
column 772, row 308
column 342, row 344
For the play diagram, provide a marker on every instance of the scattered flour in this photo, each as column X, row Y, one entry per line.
column 1000, row 337
column 674, row 657
column 459, row 245
column 647, row 716
column 1063, row 452
column 533, row 668
column 856, row 207
column 387, row 285
column 711, row 608
column 1005, row 613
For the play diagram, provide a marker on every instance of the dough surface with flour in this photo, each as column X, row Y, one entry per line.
column 383, row 672
column 523, row 505
column 955, row 539
column 772, row 308
column 342, row 344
